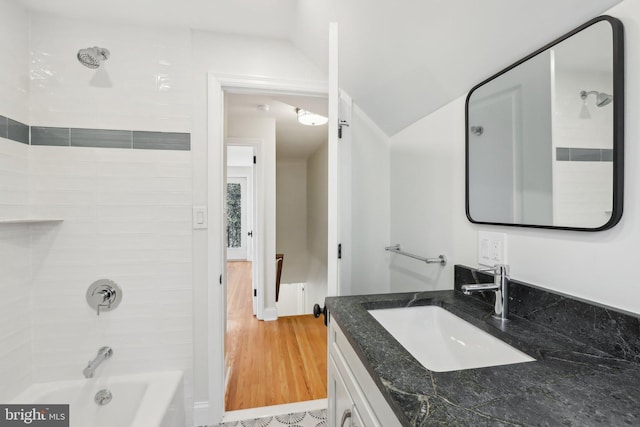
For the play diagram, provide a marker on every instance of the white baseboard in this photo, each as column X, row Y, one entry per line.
column 270, row 314
column 201, row 414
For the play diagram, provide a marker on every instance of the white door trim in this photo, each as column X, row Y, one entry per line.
column 212, row 411
column 333, row 191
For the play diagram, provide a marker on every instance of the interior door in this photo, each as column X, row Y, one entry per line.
column 236, row 218
column 333, row 189
column 494, row 139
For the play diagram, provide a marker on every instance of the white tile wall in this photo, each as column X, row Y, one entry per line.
column 582, row 193
column 127, row 213
column 582, row 190
column 14, row 72
column 15, row 326
column 14, row 176
column 148, row 76
column 569, row 129
column 127, row 217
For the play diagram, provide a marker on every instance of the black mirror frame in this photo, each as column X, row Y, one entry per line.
column 618, row 125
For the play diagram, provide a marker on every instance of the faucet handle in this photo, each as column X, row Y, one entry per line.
column 108, row 296
column 104, row 295
column 499, row 269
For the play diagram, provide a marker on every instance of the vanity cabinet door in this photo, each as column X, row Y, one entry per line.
column 356, row 420
column 341, row 408
column 352, row 388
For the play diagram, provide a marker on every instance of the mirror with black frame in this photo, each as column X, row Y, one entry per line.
column 544, row 137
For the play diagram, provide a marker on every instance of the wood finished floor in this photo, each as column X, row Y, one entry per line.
column 272, row 363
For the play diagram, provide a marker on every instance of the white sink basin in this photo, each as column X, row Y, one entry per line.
column 442, row 341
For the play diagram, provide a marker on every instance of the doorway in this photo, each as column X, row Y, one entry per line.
column 237, row 205
column 273, row 359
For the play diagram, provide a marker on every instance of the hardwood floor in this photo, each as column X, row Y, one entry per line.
column 272, row 363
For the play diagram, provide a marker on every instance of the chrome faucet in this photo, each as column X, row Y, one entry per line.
column 103, row 354
column 500, row 286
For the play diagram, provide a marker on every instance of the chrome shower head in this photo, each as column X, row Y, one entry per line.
column 91, row 57
column 602, row 98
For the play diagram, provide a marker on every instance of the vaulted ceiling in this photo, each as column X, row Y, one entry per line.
column 399, row 60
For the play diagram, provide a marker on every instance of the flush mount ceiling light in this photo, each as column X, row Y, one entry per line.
column 310, row 119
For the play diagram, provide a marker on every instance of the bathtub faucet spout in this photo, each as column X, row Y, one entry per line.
column 103, row 354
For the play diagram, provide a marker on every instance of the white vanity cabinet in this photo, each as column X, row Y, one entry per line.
column 352, row 392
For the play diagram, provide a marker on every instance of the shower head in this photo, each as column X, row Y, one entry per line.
column 602, row 98
column 91, row 57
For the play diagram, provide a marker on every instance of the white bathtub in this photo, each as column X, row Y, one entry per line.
column 141, row 400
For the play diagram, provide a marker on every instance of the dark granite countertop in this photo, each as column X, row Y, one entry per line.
column 571, row 383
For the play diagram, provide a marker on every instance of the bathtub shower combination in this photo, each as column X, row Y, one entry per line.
column 138, row 400
column 141, row 400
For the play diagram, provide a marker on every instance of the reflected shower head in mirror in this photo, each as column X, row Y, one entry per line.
column 602, row 98
column 93, row 56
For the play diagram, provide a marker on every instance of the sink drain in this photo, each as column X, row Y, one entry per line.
column 103, row 397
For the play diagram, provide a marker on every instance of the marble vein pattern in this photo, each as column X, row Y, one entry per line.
column 579, row 378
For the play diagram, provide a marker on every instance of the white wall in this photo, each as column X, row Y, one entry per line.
column 251, row 56
column 15, row 280
column 220, row 54
column 291, row 219
column 317, row 212
column 427, row 200
column 427, row 196
column 370, row 209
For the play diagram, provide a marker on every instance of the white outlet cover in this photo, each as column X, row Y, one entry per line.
column 492, row 248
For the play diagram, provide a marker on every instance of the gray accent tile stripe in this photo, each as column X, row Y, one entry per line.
column 100, row 138
column 97, row 138
column 50, row 136
column 584, row 155
column 162, row 140
column 571, row 154
column 562, row 154
column 18, row 131
column 4, row 127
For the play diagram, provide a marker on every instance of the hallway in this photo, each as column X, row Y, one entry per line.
column 271, row 363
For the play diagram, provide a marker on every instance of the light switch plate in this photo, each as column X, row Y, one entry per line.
column 199, row 217
column 492, row 248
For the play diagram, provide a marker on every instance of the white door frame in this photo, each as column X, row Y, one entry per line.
column 212, row 411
